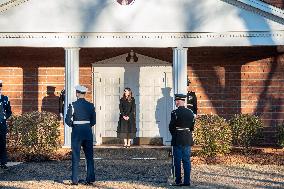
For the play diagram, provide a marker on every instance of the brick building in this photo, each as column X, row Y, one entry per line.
column 231, row 50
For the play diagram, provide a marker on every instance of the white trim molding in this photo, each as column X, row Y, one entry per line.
column 116, row 39
column 10, row 4
column 261, row 8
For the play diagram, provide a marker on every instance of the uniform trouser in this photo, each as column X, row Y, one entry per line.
column 88, row 150
column 182, row 153
column 3, row 150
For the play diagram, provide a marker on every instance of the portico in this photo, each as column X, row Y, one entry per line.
column 228, row 24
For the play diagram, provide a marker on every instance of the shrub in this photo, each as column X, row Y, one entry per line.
column 213, row 134
column 280, row 135
column 35, row 135
column 246, row 130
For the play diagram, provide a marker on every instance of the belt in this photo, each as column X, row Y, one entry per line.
column 80, row 122
column 182, row 129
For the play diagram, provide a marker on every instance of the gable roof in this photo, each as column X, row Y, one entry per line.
column 150, row 16
column 79, row 21
column 121, row 60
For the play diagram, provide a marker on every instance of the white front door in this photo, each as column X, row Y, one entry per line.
column 152, row 89
column 156, row 102
column 108, row 85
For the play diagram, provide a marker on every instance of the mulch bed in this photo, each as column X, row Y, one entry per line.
column 261, row 156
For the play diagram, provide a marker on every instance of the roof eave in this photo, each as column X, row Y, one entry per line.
column 258, row 7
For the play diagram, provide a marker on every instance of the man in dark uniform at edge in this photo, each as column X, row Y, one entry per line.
column 5, row 113
column 61, row 103
column 181, row 127
column 81, row 116
column 191, row 100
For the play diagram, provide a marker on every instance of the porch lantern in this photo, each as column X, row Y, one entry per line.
column 131, row 57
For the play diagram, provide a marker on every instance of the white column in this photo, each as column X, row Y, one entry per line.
column 71, row 80
column 180, row 70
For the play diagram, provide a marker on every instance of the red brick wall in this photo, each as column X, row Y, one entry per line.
column 239, row 80
column 227, row 80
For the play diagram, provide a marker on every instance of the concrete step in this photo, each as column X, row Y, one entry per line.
column 134, row 152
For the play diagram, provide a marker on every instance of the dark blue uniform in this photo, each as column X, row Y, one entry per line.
column 5, row 113
column 81, row 117
column 192, row 101
column 181, row 127
column 61, row 102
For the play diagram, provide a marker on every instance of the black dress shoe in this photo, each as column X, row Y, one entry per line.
column 185, row 184
column 84, row 182
column 88, row 183
column 176, row 184
column 74, row 183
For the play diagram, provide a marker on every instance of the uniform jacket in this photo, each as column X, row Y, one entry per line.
column 61, row 101
column 5, row 112
column 192, row 101
column 181, row 118
column 81, row 110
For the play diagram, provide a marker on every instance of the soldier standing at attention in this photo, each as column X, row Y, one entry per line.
column 181, row 127
column 61, row 103
column 5, row 113
column 192, row 101
column 81, row 116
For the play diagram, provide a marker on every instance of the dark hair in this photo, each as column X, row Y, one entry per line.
column 129, row 98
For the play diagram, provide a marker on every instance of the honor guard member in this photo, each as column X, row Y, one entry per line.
column 192, row 101
column 5, row 113
column 81, row 116
column 181, row 127
column 61, row 103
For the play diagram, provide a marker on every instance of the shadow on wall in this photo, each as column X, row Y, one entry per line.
column 219, row 74
column 30, row 89
column 28, row 70
column 50, row 103
column 161, row 114
column 269, row 102
column 222, row 78
column 90, row 13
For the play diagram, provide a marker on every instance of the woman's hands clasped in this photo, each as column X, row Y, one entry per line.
column 126, row 118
